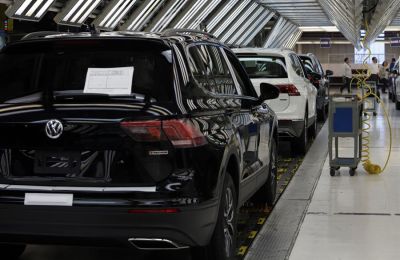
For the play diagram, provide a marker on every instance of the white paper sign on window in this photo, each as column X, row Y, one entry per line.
column 111, row 81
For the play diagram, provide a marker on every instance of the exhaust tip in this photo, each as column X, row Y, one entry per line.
column 155, row 244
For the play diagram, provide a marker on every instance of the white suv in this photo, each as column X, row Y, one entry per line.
column 296, row 106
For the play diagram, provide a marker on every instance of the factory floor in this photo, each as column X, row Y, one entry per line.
column 357, row 217
column 340, row 217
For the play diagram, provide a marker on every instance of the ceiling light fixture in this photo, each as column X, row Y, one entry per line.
column 31, row 10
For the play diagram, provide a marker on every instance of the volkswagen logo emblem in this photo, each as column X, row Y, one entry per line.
column 54, row 129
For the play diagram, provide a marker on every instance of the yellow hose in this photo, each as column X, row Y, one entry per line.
column 370, row 167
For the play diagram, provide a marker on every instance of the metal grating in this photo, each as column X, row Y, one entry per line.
column 347, row 16
column 301, row 12
column 385, row 12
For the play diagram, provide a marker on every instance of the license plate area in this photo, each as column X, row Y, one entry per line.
column 57, row 163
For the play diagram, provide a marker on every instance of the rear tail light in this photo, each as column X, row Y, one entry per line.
column 181, row 133
column 289, row 89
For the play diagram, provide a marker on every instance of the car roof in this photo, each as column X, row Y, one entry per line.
column 188, row 36
column 264, row 51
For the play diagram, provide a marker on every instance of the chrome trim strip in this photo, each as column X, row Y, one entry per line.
column 175, row 246
column 61, row 188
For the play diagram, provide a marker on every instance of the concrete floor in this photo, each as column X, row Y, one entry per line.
column 356, row 217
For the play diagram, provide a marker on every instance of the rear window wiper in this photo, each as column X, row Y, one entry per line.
column 88, row 96
column 68, row 96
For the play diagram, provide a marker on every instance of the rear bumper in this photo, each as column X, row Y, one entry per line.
column 107, row 226
column 290, row 128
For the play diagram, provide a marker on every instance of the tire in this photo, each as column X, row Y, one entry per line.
column 299, row 144
column 223, row 241
column 322, row 114
column 267, row 193
column 397, row 105
column 11, row 252
column 312, row 130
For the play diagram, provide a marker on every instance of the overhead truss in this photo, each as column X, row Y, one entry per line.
column 235, row 22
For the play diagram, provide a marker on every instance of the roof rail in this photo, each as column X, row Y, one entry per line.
column 42, row 34
column 172, row 32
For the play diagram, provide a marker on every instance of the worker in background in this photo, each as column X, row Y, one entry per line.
column 392, row 64
column 384, row 76
column 374, row 70
column 347, row 76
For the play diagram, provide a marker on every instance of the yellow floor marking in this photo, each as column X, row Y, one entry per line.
column 252, row 234
column 261, row 221
column 242, row 250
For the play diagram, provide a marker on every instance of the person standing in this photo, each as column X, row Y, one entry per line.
column 347, row 76
column 374, row 69
column 392, row 64
column 384, row 75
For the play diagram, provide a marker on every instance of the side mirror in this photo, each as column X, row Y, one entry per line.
column 329, row 73
column 268, row 92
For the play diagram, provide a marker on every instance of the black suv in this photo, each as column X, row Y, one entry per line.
column 150, row 140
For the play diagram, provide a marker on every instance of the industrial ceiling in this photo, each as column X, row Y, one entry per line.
column 235, row 22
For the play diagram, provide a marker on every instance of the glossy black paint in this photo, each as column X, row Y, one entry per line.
column 237, row 129
column 319, row 77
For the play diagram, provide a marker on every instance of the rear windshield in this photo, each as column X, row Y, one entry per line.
column 111, row 68
column 264, row 66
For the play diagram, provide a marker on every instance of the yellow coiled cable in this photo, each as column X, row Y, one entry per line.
column 370, row 167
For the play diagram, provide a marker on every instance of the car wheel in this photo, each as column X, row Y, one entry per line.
column 322, row 114
column 223, row 241
column 299, row 145
column 267, row 193
column 11, row 252
column 312, row 130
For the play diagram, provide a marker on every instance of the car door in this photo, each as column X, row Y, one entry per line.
column 255, row 125
column 301, row 80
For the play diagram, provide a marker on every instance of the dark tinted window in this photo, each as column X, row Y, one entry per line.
column 198, row 65
column 264, row 66
column 17, row 75
column 307, row 63
column 244, row 82
column 221, row 75
column 64, row 67
column 210, row 69
column 296, row 65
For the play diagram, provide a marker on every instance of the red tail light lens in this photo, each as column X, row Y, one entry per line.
column 181, row 133
column 146, row 131
column 289, row 89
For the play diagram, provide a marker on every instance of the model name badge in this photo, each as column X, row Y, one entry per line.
column 48, row 199
column 158, row 153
